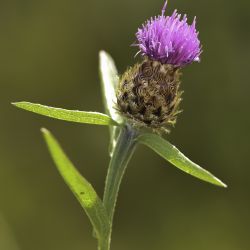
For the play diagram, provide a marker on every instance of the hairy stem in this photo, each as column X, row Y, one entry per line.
column 124, row 149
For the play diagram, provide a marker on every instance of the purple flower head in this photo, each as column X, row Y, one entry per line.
column 169, row 39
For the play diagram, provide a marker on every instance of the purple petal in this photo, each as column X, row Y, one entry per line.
column 169, row 39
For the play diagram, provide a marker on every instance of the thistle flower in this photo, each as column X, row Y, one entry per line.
column 169, row 39
column 148, row 93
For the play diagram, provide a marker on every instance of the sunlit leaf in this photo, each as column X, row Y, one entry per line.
column 109, row 81
column 80, row 187
column 67, row 115
column 173, row 155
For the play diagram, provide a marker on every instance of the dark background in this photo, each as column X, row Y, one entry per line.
column 49, row 54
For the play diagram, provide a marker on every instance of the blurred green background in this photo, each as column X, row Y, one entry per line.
column 49, row 54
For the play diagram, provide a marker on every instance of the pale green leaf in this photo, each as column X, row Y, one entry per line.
column 80, row 187
column 109, row 82
column 173, row 155
column 67, row 115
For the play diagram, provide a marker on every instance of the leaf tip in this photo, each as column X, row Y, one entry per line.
column 44, row 131
column 216, row 181
column 17, row 104
column 102, row 52
column 103, row 56
column 220, row 183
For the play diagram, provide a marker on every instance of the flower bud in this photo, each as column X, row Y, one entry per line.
column 149, row 95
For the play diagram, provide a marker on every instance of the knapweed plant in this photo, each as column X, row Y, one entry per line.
column 141, row 106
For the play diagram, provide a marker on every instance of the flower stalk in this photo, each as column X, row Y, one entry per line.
column 125, row 147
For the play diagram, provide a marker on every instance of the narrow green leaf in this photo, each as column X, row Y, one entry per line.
column 67, row 115
column 80, row 187
column 173, row 155
column 109, row 81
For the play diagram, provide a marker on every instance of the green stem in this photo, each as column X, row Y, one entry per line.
column 123, row 152
column 104, row 243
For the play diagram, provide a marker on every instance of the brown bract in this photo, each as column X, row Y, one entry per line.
column 148, row 94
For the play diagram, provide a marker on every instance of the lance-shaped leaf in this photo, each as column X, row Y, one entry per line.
column 173, row 155
column 109, row 81
column 67, row 115
column 80, row 187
